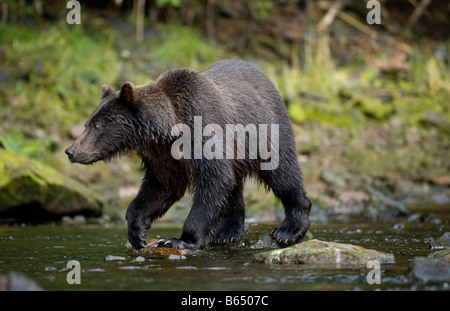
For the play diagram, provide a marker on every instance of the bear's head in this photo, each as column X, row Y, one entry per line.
column 125, row 120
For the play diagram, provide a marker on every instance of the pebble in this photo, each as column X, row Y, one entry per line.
column 187, row 268
column 112, row 258
column 176, row 257
column 130, row 267
column 96, row 270
column 50, row 268
column 76, row 220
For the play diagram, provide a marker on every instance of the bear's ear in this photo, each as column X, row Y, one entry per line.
column 106, row 90
column 126, row 95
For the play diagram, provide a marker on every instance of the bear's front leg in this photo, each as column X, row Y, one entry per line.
column 138, row 224
column 152, row 201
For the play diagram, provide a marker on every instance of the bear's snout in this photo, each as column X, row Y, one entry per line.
column 70, row 153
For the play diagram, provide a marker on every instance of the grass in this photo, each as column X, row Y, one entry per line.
column 177, row 46
column 352, row 97
column 54, row 73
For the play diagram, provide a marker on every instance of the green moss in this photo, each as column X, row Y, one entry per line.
column 24, row 181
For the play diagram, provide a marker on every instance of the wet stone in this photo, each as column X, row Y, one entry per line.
column 442, row 242
column 430, row 270
column 16, row 281
column 322, row 252
column 256, row 236
column 114, row 258
column 139, row 259
column 152, row 249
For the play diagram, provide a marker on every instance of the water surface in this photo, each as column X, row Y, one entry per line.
column 42, row 252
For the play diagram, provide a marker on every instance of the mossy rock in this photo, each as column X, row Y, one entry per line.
column 322, row 252
column 30, row 190
column 443, row 255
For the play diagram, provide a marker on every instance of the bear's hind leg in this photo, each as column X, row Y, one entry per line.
column 214, row 181
column 296, row 223
column 231, row 226
column 288, row 187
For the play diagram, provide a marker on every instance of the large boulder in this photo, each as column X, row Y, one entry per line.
column 322, row 252
column 430, row 270
column 30, row 190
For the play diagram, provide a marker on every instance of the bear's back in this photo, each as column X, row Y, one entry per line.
column 253, row 95
column 237, row 75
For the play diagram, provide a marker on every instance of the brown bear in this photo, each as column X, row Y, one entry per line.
column 154, row 120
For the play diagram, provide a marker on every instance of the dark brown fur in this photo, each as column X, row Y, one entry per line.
column 141, row 118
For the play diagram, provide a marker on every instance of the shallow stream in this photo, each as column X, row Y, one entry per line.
column 42, row 253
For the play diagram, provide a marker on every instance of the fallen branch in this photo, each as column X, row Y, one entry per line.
column 328, row 19
column 372, row 33
column 418, row 11
column 140, row 10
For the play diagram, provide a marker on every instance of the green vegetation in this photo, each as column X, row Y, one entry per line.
column 53, row 76
column 55, row 73
column 353, row 96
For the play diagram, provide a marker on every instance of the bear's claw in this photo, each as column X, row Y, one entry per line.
column 227, row 240
column 287, row 236
column 175, row 243
column 138, row 239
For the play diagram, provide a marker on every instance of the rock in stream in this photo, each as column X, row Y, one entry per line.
column 430, row 270
column 441, row 243
column 435, row 268
column 322, row 252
